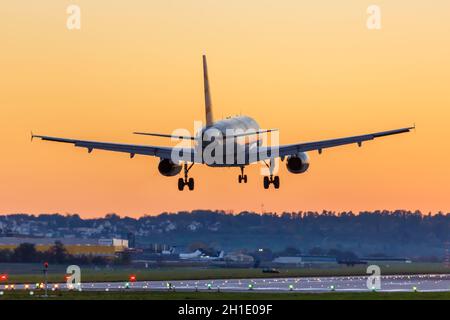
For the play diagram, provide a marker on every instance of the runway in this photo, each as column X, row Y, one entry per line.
column 395, row 283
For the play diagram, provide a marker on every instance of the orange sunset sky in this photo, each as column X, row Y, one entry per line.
column 310, row 68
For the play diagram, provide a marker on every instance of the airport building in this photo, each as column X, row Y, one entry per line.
column 74, row 246
column 304, row 260
column 385, row 260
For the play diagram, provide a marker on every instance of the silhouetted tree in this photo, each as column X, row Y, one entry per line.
column 26, row 252
column 316, row 251
column 124, row 258
column 57, row 253
column 262, row 255
column 290, row 251
column 5, row 255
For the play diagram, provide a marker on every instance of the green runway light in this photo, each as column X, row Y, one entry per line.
column 291, row 287
column 415, row 289
column 209, row 286
column 332, row 288
column 373, row 289
column 127, row 285
column 250, row 287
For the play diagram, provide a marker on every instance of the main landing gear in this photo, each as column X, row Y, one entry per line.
column 242, row 177
column 186, row 181
column 268, row 180
column 271, row 179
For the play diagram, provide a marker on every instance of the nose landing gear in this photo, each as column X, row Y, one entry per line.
column 242, row 177
column 186, row 181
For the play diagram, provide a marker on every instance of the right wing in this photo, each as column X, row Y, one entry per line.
column 132, row 149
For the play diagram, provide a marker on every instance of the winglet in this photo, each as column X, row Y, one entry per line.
column 32, row 136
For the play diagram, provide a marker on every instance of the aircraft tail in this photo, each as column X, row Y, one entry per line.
column 208, row 103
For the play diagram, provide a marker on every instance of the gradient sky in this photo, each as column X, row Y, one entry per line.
column 312, row 69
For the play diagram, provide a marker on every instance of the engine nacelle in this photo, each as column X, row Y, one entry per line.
column 167, row 168
column 298, row 163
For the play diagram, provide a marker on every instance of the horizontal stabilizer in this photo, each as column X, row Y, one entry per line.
column 250, row 133
column 243, row 134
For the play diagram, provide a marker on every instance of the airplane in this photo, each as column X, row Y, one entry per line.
column 200, row 255
column 217, row 134
column 193, row 255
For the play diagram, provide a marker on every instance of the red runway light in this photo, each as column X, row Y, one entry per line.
column 3, row 277
column 132, row 278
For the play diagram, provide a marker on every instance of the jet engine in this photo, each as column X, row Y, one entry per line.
column 298, row 163
column 167, row 168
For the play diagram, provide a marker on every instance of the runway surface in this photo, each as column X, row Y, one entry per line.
column 397, row 283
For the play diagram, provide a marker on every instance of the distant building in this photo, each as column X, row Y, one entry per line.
column 288, row 260
column 74, row 246
column 385, row 260
column 304, row 260
column 239, row 257
column 194, row 226
column 131, row 240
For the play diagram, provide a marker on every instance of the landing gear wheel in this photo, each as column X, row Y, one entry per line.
column 181, row 184
column 276, row 182
column 191, row 184
column 242, row 177
column 186, row 181
column 266, row 182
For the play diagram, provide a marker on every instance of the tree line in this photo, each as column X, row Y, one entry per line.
column 395, row 233
column 57, row 254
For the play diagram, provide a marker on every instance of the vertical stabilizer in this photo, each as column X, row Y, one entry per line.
column 208, row 103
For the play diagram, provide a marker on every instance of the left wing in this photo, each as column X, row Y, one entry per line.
column 132, row 149
column 292, row 149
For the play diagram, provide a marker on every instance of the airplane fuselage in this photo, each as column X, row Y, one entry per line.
column 218, row 132
column 243, row 123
